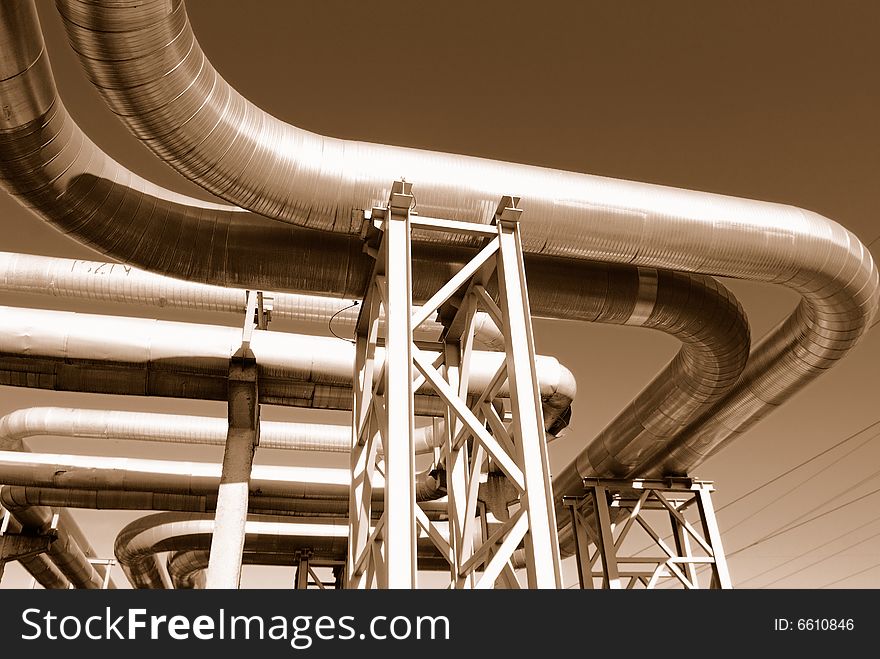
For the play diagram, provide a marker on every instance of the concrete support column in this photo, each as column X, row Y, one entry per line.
column 227, row 544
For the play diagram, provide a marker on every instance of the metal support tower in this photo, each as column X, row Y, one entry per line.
column 305, row 575
column 483, row 437
column 243, row 436
column 611, row 508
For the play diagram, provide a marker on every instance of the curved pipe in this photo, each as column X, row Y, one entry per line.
column 186, row 567
column 124, row 284
column 176, row 428
column 138, row 543
column 133, row 356
column 54, row 169
column 110, row 499
column 147, row 64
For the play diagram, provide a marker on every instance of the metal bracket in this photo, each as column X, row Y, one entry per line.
column 258, row 314
column 16, row 546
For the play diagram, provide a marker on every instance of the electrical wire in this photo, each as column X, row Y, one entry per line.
column 330, row 322
column 821, row 560
column 806, row 553
column 854, row 574
column 783, row 531
column 800, row 484
column 848, row 438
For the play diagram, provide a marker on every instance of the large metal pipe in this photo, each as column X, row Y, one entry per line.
column 138, row 544
column 124, row 284
column 111, row 499
column 151, row 71
column 53, row 168
column 109, row 354
column 675, row 305
column 96, row 473
column 176, row 428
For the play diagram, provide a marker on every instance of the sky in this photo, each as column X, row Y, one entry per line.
column 772, row 101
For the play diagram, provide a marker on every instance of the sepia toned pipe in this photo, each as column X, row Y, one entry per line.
column 138, row 544
column 21, row 424
column 133, row 356
column 151, row 71
column 53, row 168
column 124, row 284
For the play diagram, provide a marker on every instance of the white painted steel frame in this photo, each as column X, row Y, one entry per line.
column 630, row 499
column 477, row 436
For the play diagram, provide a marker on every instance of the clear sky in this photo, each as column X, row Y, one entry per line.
column 774, row 101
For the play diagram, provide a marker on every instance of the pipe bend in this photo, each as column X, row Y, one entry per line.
column 194, row 120
column 81, row 191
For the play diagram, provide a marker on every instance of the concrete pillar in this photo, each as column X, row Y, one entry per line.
column 227, row 544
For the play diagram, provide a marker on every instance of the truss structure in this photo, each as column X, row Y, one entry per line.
column 606, row 515
column 485, row 441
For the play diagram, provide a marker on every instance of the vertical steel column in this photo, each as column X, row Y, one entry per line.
column 720, row 573
column 527, row 426
column 362, row 452
column 581, row 545
column 301, row 577
column 457, row 459
column 606, row 537
column 227, row 543
column 683, row 548
column 400, row 498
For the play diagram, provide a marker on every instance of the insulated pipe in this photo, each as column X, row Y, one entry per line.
column 86, row 472
column 110, row 499
column 133, row 356
column 73, row 553
column 147, row 64
column 115, row 282
column 176, row 428
column 138, row 543
column 52, row 167
column 172, row 477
